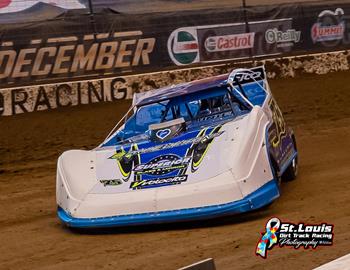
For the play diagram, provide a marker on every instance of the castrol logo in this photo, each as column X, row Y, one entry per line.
column 230, row 42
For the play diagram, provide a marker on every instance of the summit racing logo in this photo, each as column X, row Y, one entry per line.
column 229, row 42
column 294, row 235
column 163, row 165
column 183, row 46
column 141, row 184
column 329, row 26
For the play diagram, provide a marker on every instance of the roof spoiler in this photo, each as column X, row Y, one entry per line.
column 241, row 76
column 246, row 75
column 142, row 95
column 237, row 76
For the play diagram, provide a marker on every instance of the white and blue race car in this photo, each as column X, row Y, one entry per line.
column 197, row 150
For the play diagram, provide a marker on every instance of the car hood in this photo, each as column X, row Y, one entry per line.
column 191, row 157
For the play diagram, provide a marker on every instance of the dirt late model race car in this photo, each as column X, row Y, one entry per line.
column 197, row 150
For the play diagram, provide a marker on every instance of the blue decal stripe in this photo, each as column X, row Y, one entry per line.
column 259, row 198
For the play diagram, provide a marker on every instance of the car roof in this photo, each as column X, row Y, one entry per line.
column 183, row 89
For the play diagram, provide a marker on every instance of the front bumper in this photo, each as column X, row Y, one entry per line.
column 257, row 199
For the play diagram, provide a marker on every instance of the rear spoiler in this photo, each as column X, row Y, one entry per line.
column 241, row 76
column 237, row 77
column 142, row 95
column 244, row 75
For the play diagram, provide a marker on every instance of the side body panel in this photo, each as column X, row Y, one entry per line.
column 282, row 148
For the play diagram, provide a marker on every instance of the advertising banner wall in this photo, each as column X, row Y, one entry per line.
column 54, row 44
column 48, row 97
column 60, row 95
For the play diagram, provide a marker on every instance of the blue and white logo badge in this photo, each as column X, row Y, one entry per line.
column 163, row 133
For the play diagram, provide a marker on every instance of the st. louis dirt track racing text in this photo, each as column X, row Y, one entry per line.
column 196, row 150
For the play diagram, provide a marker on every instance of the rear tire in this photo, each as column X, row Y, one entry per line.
column 291, row 172
column 275, row 171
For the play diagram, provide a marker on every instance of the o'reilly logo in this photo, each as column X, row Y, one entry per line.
column 286, row 38
column 183, row 46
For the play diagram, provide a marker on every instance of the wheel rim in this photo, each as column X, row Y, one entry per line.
column 295, row 165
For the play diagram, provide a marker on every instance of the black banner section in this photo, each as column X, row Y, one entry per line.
column 50, row 44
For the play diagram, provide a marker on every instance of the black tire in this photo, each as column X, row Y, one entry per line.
column 291, row 172
column 275, row 171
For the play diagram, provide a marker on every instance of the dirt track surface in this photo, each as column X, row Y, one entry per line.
column 31, row 237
